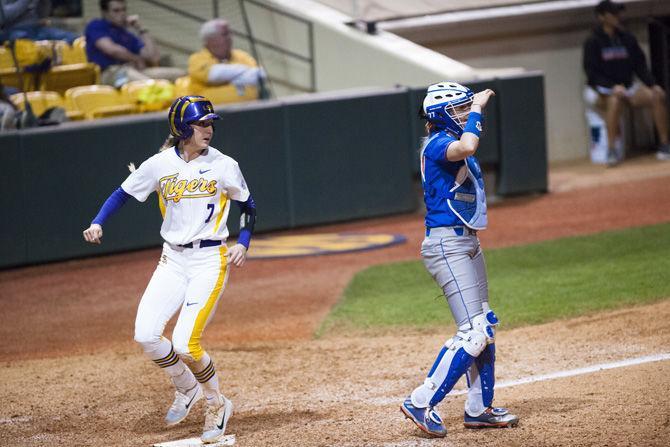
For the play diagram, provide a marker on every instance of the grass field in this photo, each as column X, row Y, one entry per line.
column 528, row 284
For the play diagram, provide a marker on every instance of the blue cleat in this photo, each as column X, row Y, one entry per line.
column 426, row 419
column 491, row 418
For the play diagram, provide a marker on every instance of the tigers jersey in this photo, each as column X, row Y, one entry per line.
column 194, row 197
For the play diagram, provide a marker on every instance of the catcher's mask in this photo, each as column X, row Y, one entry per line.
column 447, row 106
column 186, row 110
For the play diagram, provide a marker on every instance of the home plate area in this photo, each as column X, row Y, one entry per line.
column 192, row 442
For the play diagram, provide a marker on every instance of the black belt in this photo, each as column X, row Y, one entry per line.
column 203, row 243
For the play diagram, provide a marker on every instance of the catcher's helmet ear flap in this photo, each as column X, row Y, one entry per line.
column 446, row 105
column 186, row 110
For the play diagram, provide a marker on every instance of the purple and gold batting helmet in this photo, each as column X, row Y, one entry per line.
column 186, row 110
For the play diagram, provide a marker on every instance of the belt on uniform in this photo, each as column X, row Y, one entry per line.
column 450, row 231
column 203, row 243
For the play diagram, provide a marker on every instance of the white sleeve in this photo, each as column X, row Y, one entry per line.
column 235, row 185
column 238, row 74
column 141, row 182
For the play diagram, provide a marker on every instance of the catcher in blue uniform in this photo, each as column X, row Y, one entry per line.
column 455, row 211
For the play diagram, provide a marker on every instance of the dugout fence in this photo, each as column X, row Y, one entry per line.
column 311, row 159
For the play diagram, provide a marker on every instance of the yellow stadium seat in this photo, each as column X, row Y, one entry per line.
column 28, row 53
column 63, row 77
column 6, row 61
column 97, row 101
column 40, row 102
column 67, row 54
column 24, row 82
column 223, row 94
column 46, row 49
column 150, row 95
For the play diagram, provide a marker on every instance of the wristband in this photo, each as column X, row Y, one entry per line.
column 474, row 124
column 244, row 237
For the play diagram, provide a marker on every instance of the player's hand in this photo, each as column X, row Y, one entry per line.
column 482, row 98
column 93, row 234
column 237, row 254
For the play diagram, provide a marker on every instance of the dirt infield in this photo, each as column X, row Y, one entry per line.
column 71, row 374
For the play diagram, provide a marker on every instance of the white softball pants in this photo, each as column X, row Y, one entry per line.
column 188, row 280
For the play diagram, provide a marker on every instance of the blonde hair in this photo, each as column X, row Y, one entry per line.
column 170, row 141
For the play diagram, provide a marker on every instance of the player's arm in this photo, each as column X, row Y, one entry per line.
column 238, row 252
column 116, row 200
column 469, row 142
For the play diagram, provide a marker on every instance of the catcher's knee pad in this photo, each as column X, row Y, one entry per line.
column 486, row 324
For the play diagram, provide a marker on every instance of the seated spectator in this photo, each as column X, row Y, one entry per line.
column 121, row 54
column 612, row 56
column 28, row 19
column 218, row 63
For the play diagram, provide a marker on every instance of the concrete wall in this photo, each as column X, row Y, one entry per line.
column 559, row 55
column 545, row 36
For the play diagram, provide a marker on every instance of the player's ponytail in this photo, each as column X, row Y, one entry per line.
column 170, row 141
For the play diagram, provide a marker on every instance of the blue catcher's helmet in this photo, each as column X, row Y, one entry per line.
column 447, row 106
column 186, row 110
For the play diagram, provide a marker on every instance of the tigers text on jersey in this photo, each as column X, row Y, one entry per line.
column 194, row 197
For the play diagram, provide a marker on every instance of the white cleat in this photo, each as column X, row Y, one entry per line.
column 182, row 405
column 216, row 419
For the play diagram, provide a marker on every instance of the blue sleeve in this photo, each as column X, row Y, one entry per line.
column 136, row 44
column 437, row 149
column 248, row 209
column 95, row 30
column 111, row 206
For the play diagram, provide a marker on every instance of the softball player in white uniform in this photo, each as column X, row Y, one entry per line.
column 455, row 211
column 195, row 185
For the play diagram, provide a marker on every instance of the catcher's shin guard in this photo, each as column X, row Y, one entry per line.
column 481, row 381
column 452, row 362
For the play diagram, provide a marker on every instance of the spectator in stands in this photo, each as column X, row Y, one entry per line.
column 28, row 19
column 611, row 57
column 219, row 63
column 121, row 54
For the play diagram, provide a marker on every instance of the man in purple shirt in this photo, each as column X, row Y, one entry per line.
column 121, row 54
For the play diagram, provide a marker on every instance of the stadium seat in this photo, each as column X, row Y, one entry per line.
column 27, row 54
column 223, row 94
column 10, row 78
column 149, row 95
column 63, row 77
column 97, row 101
column 70, row 54
column 40, row 102
column 6, row 61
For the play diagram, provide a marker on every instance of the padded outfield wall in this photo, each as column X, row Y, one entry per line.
column 308, row 160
